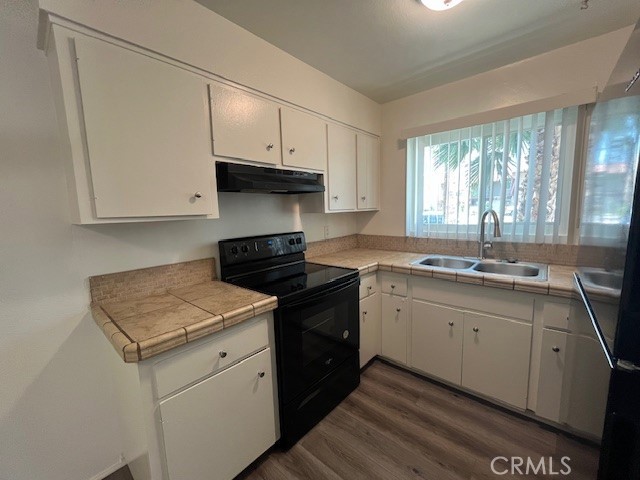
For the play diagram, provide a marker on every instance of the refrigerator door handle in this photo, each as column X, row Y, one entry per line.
column 594, row 322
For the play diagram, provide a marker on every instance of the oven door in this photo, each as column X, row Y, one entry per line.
column 315, row 336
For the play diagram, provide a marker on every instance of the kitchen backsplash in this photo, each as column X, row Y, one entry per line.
column 530, row 252
column 325, row 247
column 116, row 287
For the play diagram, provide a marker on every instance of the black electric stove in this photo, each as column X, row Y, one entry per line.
column 316, row 324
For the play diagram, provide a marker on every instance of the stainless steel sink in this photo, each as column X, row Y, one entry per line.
column 600, row 278
column 478, row 267
column 512, row 269
column 455, row 263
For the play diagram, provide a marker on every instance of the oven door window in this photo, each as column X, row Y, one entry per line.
column 317, row 336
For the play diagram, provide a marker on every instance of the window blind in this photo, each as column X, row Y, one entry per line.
column 521, row 167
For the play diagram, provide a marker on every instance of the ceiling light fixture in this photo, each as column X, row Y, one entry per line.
column 440, row 4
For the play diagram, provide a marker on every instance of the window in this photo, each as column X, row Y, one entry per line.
column 610, row 171
column 522, row 168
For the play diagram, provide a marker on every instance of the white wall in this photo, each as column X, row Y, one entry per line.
column 57, row 417
column 574, row 68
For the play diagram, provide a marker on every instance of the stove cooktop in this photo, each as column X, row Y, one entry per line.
column 291, row 280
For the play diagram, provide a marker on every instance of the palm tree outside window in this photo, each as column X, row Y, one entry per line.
column 521, row 167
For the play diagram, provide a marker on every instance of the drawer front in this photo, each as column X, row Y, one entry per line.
column 206, row 358
column 394, row 284
column 368, row 285
column 556, row 315
column 506, row 303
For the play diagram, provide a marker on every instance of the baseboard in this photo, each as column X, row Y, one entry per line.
column 109, row 470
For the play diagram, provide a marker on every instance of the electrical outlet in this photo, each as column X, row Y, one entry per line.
column 326, row 231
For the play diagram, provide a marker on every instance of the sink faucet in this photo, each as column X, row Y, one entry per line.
column 496, row 232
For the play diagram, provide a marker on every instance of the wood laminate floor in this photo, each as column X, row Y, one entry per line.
column 399, row 426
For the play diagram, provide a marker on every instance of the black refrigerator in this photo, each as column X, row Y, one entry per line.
column 610, row 295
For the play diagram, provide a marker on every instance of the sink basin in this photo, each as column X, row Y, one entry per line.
column 602, row 279
column 448, row 262
column 478, row 267
column 513, row 269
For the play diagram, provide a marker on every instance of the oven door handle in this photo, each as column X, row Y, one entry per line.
column 323, row 294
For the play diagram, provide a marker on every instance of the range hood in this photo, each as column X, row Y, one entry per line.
column 233, row 177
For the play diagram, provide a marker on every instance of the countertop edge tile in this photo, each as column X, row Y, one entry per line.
column 237, row 315
column 161, row 343
column 266, row 305
column 204, row 327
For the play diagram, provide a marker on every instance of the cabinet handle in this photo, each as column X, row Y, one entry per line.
column 364, row 312
column 476, row 329
column 397, row 309
column 335, row 197
column 555, row 349
column 270, row 146
column 197, row 195
column 393, row 286
column 363, row 198
column 451, row 324
column 222, row 354
column 368, row 287
column 292, row 151
column 261, row 374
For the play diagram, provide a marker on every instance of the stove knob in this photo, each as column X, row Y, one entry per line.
column 244, row 249
column 300, row 286
column 292, row 241
column 299, row 240
column 234, row 250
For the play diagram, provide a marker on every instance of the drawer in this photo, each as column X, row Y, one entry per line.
column 368, row 285
column 206, row 358
column 556, row 315
column 394, row 284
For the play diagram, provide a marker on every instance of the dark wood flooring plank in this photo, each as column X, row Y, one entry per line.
column 399, row 426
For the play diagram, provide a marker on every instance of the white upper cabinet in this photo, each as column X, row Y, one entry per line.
column 368, row 172
column 146, row 133
column 244, row 126
column 135, row 130
column 341, row 145
column 304, row 140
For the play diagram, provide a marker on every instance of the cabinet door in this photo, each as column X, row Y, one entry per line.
column 368, row 171
column 495, row 360
column 394, row 328
column 147, row 134
column 341, row 144
column 244, row 126
column 552, row 368
column 369, row 328
column 436, row 340
column 304, row 140
column 216, row 428
column 588, row 374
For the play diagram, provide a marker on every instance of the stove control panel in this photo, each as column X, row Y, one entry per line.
column 247, row 249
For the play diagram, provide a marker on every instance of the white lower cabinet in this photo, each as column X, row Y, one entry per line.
column 394, row 327
column 436, row 340
column 573, row 382
column 496, row 357
column 369, row 328
column 217, row 427
column 552, row 367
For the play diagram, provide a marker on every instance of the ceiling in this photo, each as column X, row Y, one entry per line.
column 387, row 49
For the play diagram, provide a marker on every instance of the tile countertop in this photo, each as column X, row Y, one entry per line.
column 141, row 328
column 560, row 279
